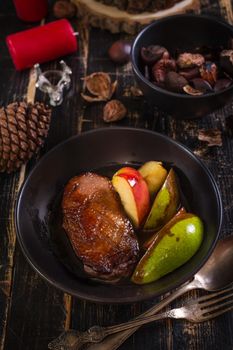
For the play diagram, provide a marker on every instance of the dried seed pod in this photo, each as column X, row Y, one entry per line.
column 152, row 53
column 114, row 110
column 190, row 73
column 226, row 61
column 175, row 82
column 99, row 84
column 222, row 84
column 119, row 52
column 189, row 60
column 201, row 85
column 162, row 67
column 208, row 72
column 191, row 91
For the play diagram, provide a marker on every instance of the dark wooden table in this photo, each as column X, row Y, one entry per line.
column 33, row 312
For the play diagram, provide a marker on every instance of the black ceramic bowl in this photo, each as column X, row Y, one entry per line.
column 183, row 32
column 105, row 151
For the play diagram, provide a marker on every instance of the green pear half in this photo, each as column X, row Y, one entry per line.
column 173, row 246
column 149, row 241
column 165, row 204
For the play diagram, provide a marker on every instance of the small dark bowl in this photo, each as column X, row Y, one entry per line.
column 106, row 150
column 183, row 32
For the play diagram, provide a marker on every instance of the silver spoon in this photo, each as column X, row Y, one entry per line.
column 215, row 274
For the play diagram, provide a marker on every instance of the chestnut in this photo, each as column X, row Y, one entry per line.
column 175, row 82
column 119, row 52
column 152, row 53
column 222, row 84
column 201, row 85
column 190, row 73
column 162, row 67
column 203, row 70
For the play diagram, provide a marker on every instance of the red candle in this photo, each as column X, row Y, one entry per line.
column 31, row 10
column 41, row 44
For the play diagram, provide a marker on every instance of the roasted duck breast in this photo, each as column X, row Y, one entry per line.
column 98, row 229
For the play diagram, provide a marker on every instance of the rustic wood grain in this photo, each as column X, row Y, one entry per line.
column 33, row 312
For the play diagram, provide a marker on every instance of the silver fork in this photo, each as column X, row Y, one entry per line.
column 197, row 310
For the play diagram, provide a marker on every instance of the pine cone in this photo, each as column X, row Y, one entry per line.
column 23, row 129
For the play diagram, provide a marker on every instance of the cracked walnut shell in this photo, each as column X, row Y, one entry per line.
column 100, row 86
column 114, row 110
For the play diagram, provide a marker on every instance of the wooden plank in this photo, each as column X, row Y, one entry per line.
column 47, row 312
column 11, row 85
column 19, row 292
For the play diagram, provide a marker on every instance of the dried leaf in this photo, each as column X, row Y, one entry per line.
column 99, row 84
column 213, row 137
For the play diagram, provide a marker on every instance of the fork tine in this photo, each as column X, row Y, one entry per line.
column 215, row 314
column 217, row 306
column 213, row 295
column 216, row 301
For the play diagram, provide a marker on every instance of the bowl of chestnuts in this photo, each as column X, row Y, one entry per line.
column 184, row 64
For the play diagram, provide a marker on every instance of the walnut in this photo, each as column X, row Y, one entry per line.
column 99, row 84
column 114, row 110
column 64, row 9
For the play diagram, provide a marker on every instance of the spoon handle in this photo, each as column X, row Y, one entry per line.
column 112, row 342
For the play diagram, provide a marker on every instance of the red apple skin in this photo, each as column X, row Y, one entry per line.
column 140, row 191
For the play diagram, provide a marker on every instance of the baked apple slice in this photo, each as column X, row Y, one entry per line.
column 134, row 194
column 154, row 174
